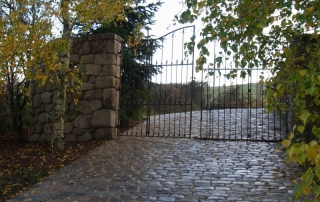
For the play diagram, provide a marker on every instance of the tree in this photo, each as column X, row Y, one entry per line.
column 134, row 76
column 22, row 47
column 64, row 15
column 271, row 34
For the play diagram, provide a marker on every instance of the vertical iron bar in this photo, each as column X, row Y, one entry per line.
column 192, row 72
column 149, row 65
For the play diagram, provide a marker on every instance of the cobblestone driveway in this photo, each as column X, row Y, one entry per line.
column 231, row 124
column 170, row 169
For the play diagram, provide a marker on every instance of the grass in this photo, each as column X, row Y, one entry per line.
column 244, row 88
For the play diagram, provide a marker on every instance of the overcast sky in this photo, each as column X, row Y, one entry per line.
column 164, row 17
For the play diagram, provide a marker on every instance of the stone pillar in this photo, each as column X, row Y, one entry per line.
column 95, row 116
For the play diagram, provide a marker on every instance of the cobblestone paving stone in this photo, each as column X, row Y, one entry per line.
column 171, row 169
column 243, row 123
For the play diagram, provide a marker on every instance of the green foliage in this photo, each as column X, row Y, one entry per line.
column 284, row 36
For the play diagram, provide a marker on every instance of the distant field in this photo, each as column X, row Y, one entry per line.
column 234, row 96
column 243, row 88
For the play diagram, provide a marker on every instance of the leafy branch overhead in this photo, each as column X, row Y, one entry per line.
column 282, row 36
column 253, row 32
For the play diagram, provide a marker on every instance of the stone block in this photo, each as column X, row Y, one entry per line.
column 46, row 98
column 82, row 68
column 49, row 108
column 92, row 79
column 36, row 102
column 98, row 47
column 75, row 47
column 45, row 137
column 85, row 78
column 78, row 131
column 82, row 106
column 92, row 69
column 107, row 82
column 38, row 128
column 98, row 94
column 105, row 133
column 32, row 129
column 87, row 86
column 40, row 109
column 43, row 118
column 68, row 127
column 113, row 46
column 89, row 95
column 85, row 48
column 110, row 70
column 83, row 38
column 118, row 60
column 103, row 118
column 95, row 105
column 111, row 36
column 70, row 138
column 47, row 128
column 40, row 89
column 105, row 59
column 111, row 99
column 72, row 115
column 71, row 97
column 51, row 116
column 84, row 137
column 94, row 37
column 34, row 120
column 50, row 86
column 74, row 59
column 82, row 121
column 34, row 137
column 87, row 59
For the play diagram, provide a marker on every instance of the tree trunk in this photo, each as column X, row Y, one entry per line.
column 62, row 79
column 58, row 125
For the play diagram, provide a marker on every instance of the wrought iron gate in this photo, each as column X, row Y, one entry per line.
column 234, row 109
column 164, row 80
column 162, row 96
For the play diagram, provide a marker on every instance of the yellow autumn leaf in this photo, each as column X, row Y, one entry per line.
column 318, row 160
column 279, row 86
column 292, row 152
column 224, row 39
column 303, row 72
column 311, row 153
column 313, row 143
column 75, row 101
column 310, row 9
column 261, row 81
column 306, row 190
column 300, row 129
column 291, row 136
column 286, row 143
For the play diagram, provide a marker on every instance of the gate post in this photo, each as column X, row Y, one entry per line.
column 95, row 115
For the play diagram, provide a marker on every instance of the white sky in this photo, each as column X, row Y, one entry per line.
column 164, row 17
